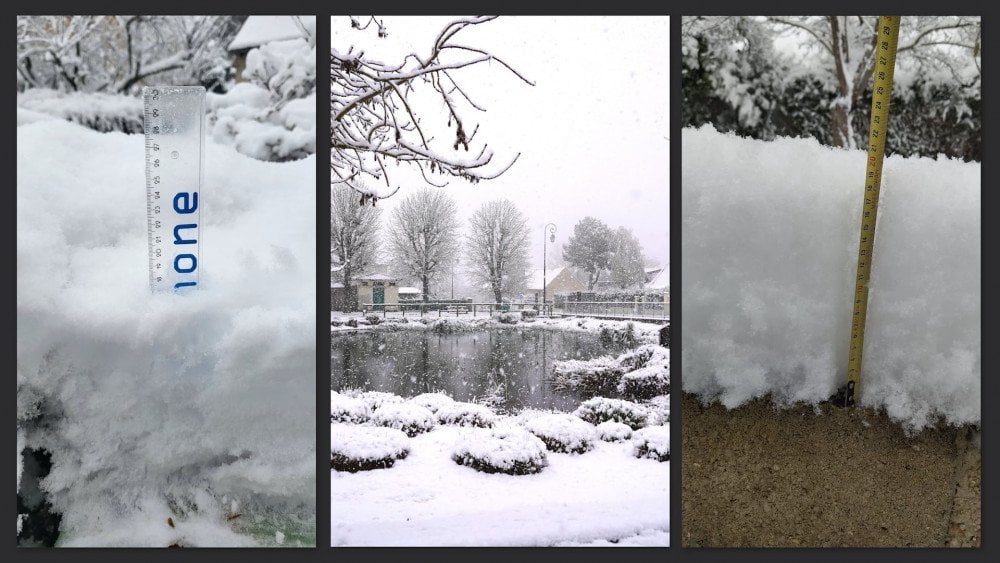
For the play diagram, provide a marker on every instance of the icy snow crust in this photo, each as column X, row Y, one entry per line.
column 148, row 401
column 770, row 239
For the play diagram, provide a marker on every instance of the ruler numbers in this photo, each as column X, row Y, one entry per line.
column 173, row 119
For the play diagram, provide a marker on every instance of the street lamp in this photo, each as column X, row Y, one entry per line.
column 549, row 229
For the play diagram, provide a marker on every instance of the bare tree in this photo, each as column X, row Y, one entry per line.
column 627, row 264
column 376, row 119
column 423, row 236
column 589, row 248
column 497, row 248
column 353, row 235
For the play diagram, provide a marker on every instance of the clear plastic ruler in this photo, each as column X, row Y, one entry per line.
column 174, row 125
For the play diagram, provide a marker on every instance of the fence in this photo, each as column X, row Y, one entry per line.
column 653, row 310
column 451, row 308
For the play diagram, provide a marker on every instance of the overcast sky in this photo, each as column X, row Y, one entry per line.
column 592, row 133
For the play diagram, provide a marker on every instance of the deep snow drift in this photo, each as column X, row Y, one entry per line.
column 198, row 407
column 770, row 239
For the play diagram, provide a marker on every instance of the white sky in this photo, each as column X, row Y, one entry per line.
column 592, row 132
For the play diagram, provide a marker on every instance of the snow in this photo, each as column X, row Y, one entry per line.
column 432, row 401
column 99, row 111
column 535, row 281
column 506, row 449
column 652, row 442
column 611, row 431
column 258, row 30
column 770, row 241
column 563, row 432
column 465, row 414
column 367, row 443
column 348, row 409
column 429, row 500
column 148, row 400
column 409, row 418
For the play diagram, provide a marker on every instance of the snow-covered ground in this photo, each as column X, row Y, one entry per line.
column 198, row 408
column 770, row 241
column 595, row 498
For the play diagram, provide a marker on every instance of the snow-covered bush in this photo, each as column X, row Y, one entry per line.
column 625, row 337
column 602, row 409
column 344, row 408
column 432, row 401
column 362, row 448
column 465, row 414
column 529, row 314
column 96, row 110
column 373, row 319
column 614, row 431
column 508, row 449
column 645, row 383
column 652, row 443
column 409, row 418
column 658, row 409
column 375, row 399
column 508, row 318
column 600, row 374
column 563, row 433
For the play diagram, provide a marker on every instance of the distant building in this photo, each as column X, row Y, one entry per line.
column 260, row 30
column 660, row 282
column 410, row 293
column 379, row 290
column 557, row 281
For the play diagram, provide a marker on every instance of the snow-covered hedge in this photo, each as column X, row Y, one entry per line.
column 375, row 399
column 658, row 409
column 652, row 443
column 96, row 110
column 602, row 409
column 362, row 448
column 614, row 431
column 645, row 383
column 768, row 288
column 348, row 409
column 432, row 401
column 508, row 449
column 563, row 433
column 465, row 414
column 641, row 373
column 409, row 418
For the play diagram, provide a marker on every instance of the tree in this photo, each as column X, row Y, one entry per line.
column 423, row 236
column 627, row 264
column 383, row 113
column 589, row 248
column 497, row 248
column 353, row 235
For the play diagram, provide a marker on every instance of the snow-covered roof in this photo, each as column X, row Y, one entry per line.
column 336, row 285
column 660, row 281
column 258, row 30
column 407, row 290
column 376, row 277
column 535, row 282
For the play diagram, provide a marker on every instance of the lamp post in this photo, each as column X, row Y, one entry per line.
column 549, row 230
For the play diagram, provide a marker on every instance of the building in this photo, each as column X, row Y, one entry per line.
column 557, row 281
column 410, row 294
column 660, row 282
column 367, row 291
column 260, row 30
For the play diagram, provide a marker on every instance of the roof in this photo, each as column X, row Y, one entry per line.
column 660, row 280
column 376, row 277
column 258, row 30
column 535, row 281
column 406, row 290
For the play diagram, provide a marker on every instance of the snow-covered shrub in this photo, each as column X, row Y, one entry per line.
column 465, row 414
column 409, row 418
column 362, row 448
column 508, row 449
column 375, row 399
column 563, row 433
column 652, row 443
column 508, row 318
column 611, row 431
column 600, row 374
column 352, row 322
column 529, row 314
column 96, row 110
column 625, row 337
column 348, row 409
column 432, row 401
column 602, row 409
column 373, row 319
column 658, row 409
column 645, row 383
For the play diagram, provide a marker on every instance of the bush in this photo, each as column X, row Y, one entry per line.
column 601, row 409
column 645, row 383
column 353, row 323
column 95, row 110
column 373, row 319
column 509, row 450
column 652, row 443
column 613, row 431
column 348, row 409
column 563, row 433
column 625, row 337
column 432, row 401
column 407, row 417
column 658, row 409
column 508, row 318
column 375, row 399
column 528, row 314
column 465, row 414
column 363, row 448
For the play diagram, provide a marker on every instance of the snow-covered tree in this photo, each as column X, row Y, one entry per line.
column 497, row 248
column 627, row 264
column 354, row 240
column 423, row 236
column 589, row 248
column 393, row 112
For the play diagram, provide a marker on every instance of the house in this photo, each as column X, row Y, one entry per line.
column 259, row 30
column 410, row 293
column 366, row 290
column 557, row 281
column 660, row 282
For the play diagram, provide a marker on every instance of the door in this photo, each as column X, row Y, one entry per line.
column 378, row 295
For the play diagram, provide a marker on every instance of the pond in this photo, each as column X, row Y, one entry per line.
column 510, row 366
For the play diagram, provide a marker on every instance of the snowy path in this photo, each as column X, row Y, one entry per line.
column 427, row 499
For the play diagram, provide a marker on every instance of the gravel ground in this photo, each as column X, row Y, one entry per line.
column 758, row 476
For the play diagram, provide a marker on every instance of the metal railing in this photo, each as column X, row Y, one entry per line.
column 656, row 310
column 454, row 309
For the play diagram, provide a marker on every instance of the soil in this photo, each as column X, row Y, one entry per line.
column 760, row 476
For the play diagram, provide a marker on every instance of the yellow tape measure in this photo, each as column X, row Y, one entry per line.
column 885, row 62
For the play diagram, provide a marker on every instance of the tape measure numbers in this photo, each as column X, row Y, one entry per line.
column 885, row 62
column 174, row 126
